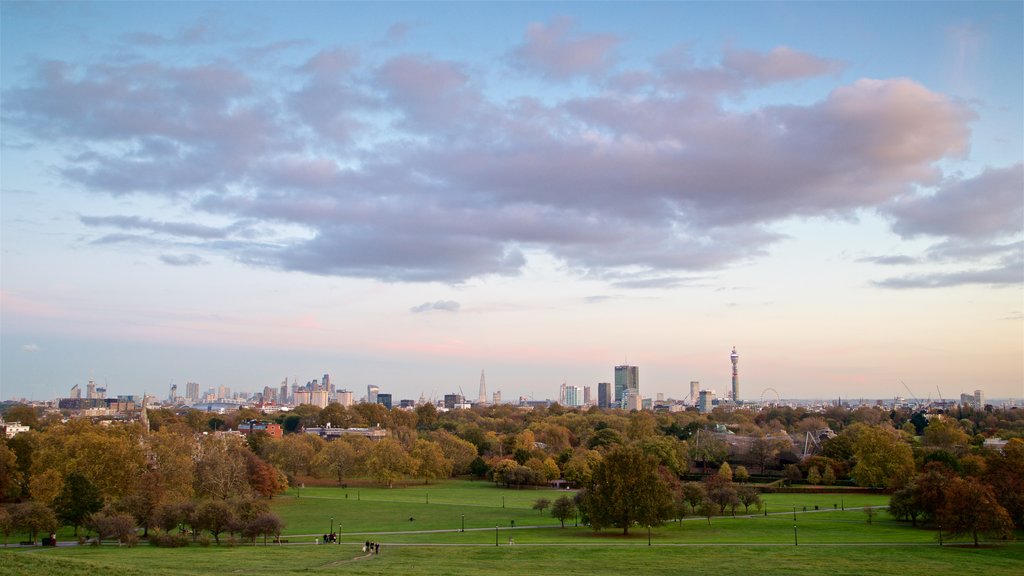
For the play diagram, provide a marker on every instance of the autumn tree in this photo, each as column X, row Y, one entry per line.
column 721, row 491
column 10, row 474
column 459, row 451
column 693, row 494
column 429, row 461
column 214, row 516
column 972, row 508
column 540, row 504
column 388, row 461
column 220, row 469
column 33, row 518
column 626, row 489
column 707, row 449
column 1005, row 473
column 563, row 508
column 748, row 496
column 116, row 525
column 338, row 458
column 882, row 458
column 264, row 524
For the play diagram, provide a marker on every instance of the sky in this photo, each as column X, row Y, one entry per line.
column 407, row 194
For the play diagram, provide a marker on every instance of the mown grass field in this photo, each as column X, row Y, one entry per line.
column 831, row 541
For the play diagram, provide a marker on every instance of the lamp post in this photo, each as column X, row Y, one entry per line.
column 648, row 534
column 332, row 525
column 795, row 542
column 463, row 523
column 794, row 513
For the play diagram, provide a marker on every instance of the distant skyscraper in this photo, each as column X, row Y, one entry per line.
column 627, row 378
column 979, row 399
column 371, row 393
column 496, row 398
column 90, row 390
column 482, row 397
column 76, row 391
column 345, row 398
column 735, row 375
column 706, row 401
column 587, row 399
column 573, row 395
column 694, row 392
column 192, row 391
column 604, row 395
column 384, row 400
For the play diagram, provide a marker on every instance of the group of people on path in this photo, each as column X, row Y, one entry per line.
column 372, row 547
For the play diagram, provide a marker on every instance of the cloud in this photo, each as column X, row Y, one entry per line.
column 555, row 51
column 182, row 259
column 411, row 169
column 443, row 305
column 31, row 348
column 1007, row 271
column 187, row 229
column 894, row 260
column 986, row 205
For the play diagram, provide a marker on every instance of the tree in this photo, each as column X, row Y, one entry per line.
column 813, row 476
column 221, row 469
column 626, row 489
column 829, row 477
column 563, row 509
column 740, row 474
column 478, row 467
column 882, row 458
column 749, row 496
column 114, row 525
column 905, row 503
column 971, row 508
column 429, row 461
column 33, row 518
column 725, row 471
column 540, row 504
column 6, row 524
column 764, row 451
column 338, row 458
column 264, row 524
column 693, row 494
column 10, row 474
column 214, row 516
column 946, row 433
column 721, row 491
column 707, row 449
column 78, row 500
column 388, row 461
column 1005, row 473
column 459, row 451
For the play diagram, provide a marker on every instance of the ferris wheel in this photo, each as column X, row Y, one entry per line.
column 769, row 392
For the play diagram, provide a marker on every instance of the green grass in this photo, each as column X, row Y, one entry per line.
column 831, row 541
column 484, row 560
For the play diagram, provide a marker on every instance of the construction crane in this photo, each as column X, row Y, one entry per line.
column 912, row 395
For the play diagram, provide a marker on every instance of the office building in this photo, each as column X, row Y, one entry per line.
column 604, row 395
column 627, row 379
column 384, row 400
column 371, row 394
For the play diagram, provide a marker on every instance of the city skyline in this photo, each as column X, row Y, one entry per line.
column 402, row 194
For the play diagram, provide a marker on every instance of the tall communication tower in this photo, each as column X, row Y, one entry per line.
column 482, row 397
column 735, row 375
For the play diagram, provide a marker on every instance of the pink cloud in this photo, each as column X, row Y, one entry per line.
column 555, row 51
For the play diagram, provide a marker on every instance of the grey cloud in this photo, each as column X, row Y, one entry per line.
column 895, row 260
column 409, row 171
column 1008, row 271
column 182, row 259
column 187, row 229
column 988, row 204
column 443, row 305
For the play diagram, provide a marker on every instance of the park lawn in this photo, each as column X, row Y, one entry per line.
column 598, row 559
column 389, row 509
